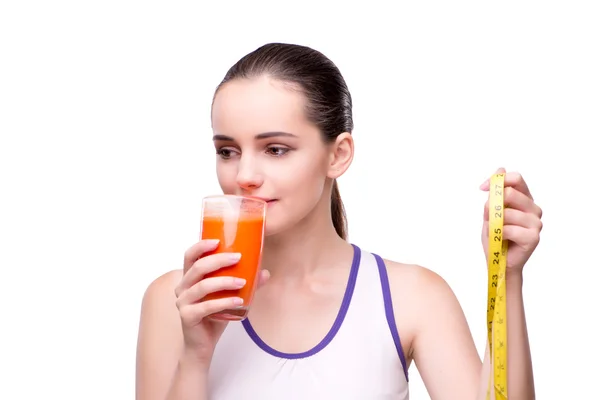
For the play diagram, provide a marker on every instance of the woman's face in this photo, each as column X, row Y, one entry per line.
column 267, row 148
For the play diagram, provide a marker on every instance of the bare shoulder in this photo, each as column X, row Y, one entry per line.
column 415, row 280
column 434, row 330
column 159, row 314
column 418, row 293
column 159, row 337
column 163, row 287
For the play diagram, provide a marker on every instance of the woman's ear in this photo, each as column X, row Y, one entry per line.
column 341, row 155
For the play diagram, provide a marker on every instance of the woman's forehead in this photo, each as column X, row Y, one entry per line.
column 258, row 105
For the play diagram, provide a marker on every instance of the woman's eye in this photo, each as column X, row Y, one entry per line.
column 225, row 153
column 277, row 151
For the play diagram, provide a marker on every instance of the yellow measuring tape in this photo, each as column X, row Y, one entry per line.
column 496, row 311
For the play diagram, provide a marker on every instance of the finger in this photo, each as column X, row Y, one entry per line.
column 486, row 184
column 204, row 266
column 263, row 278
column 209, row 285
column 516, row 199
column 193, row 314
column 511, row 179
column 196, row 251
column 516, row 180
column 516, row 218
column 522, row 219
column 525, row 237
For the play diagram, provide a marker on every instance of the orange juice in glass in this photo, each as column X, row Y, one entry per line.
column 239, row 224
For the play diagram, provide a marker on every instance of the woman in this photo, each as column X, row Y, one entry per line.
column 330, row 320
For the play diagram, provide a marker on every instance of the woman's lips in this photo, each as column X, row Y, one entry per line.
column 267, row 200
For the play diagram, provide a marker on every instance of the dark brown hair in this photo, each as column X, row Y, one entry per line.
column 329, row 101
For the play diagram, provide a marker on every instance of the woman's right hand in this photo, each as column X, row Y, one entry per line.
column 200, row 334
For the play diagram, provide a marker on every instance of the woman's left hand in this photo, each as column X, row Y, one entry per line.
column 522, row 221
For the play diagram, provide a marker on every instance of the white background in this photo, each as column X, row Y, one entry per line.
column 106, row 153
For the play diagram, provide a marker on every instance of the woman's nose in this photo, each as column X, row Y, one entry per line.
column 248, row 176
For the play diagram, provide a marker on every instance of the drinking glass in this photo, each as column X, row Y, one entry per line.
column 239, row 224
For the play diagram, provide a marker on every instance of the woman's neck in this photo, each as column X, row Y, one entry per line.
column 310, row 247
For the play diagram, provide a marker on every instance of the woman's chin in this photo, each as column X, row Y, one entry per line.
column 275, row 225
column 271, row 230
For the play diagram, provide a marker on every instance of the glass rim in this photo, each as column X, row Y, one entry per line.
column 235, row 196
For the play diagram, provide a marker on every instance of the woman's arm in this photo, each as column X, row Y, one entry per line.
column 441, row 343
column 438, row 337
column 522, row 226
column 163, row 370
column 520, row 368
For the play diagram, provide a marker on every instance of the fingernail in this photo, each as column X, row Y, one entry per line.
column 212, row 242
column 235, row 256
column 238, row 301
column 239, row 282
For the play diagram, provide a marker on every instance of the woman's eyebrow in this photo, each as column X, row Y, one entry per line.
column 264, row 135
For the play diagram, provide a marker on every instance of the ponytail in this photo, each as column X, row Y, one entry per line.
column 338, row 214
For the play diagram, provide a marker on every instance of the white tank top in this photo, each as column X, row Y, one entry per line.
column 361, row 357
